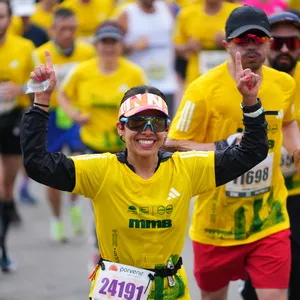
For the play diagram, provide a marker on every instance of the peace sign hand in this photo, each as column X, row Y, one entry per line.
column 43, row 73
column 247, row 82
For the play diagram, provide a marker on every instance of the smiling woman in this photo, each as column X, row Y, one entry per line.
column 141, row 195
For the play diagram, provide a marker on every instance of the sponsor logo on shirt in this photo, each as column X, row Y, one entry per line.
column 14, row 64
column 173, row 194
column 150, row 210
column 143, row 224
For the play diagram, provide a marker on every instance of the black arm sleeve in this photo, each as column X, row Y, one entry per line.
column 53, row 169
column 238, row 159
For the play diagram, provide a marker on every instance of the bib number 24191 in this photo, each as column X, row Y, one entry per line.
column 118, row 282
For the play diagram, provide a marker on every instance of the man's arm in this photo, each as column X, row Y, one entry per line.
column 190, row 145
column 291, row 136
column 291, row 141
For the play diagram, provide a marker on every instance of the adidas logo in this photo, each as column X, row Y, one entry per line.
column 173, row 194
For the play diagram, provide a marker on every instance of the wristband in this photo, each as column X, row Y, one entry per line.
column 255, row 113
column 40, row 104
column 252, row 108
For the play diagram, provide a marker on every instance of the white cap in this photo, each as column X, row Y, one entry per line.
column 22, row 8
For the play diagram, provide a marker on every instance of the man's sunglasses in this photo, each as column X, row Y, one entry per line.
column 292, row 43
column 246, row 39
column 140, row 123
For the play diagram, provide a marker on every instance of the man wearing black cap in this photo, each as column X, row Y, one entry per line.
column 284, row 56
column 243, row 226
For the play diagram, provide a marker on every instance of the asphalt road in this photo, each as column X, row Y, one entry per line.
column 48, row 271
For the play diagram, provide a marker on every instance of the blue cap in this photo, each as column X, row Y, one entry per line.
column 284, row 17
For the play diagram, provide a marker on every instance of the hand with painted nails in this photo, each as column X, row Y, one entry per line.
column 247, row 82
column 41, row 74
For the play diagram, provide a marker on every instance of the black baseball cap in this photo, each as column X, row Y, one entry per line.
column 284, row 17
column 245, row 18
column 109, row 29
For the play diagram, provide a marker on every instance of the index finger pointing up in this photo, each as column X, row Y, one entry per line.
column 238, row 64
column 49, row 63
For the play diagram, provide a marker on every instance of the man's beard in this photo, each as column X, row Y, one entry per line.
column 254, row 64
column 284, row 67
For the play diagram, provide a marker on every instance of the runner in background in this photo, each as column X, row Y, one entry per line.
column 90, row 14
column 43, row 15
column 22, row 26
column 284, row 56
column 242, row 226
column 24, row 9
column 199, row 32
column 66, row 54
column 16, row 64
column 148, row 26
column 95, row 88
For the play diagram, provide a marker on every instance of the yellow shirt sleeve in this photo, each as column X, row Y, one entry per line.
column 291, row 97
column 192, row 117
column 90, row 172
column 201, row 167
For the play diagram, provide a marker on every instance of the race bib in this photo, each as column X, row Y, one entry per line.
column 156, row 69
column 209, row 59
column 62, row 70
column 286, row 164
column 254, row 182
column 118, row 281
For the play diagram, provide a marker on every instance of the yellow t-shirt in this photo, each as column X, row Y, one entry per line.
column 16, row 26
column 17, row 62
column 142, row 222
column 294, row 4
column 89, row 15
column 293, row 183
column 193, row 22
column 100, row 96
column 42, row 18
column 210, row 111
column 63, row 64
column 183, row 3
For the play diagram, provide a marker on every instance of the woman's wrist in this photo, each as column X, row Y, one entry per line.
column 42, row 102
column 249, row 101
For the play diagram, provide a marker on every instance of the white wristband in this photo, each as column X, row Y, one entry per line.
column 255, row 113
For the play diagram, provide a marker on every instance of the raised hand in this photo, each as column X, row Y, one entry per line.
column 247, row 82
column 43, row 73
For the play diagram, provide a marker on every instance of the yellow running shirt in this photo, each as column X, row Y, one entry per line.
column 16, row 64
column 143, row 222
column 89, row 15
column 63, row 64
column 210, row 111
column 193, row 22
column 293, row 182
column 42, row 18
column 100, row 95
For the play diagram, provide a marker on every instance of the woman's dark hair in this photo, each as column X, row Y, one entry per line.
column 143, row 89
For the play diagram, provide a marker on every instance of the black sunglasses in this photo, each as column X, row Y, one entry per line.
column 292, row 43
